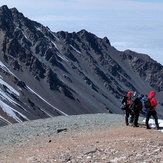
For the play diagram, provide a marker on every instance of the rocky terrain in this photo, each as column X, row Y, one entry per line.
column 98, row 138
column 45, row 74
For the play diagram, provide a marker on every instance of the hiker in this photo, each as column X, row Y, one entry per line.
column 126, row 102
column 136, row 107
column 152, row 111
column 145, row 109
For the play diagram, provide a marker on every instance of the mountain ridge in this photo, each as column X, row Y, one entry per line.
column 61, row 73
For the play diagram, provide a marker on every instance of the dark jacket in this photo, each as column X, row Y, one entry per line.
column 136, row 104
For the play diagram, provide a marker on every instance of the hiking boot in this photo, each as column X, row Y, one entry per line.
column 148, row 127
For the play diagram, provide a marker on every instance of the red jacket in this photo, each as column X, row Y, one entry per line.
column 152, row 96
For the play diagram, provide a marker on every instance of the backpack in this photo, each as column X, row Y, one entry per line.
column 123, row 103
column 139, row 105
column 147, row 103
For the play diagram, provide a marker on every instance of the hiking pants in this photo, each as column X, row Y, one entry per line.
column 128, row 113
column 135, row 117
column 154, row 114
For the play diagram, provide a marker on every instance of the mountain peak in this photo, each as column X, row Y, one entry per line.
column 4, row 8
column 45, row 73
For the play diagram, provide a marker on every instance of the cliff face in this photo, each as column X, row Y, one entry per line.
column 45, row 74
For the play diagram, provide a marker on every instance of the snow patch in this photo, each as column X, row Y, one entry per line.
column 5, row 68
column 11, row 112
column 63, row 57
column 10, row 88
column 47, row 103
column 152, row 123
column 59, row 54
column 4, row 96
column 55, row 45
column 76, row 49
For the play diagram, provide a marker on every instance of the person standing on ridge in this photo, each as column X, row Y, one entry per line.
column 127, row 101
column 153, row 103
column 136, row 107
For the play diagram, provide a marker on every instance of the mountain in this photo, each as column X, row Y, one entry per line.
column 45, row 74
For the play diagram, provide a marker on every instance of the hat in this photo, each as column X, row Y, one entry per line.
column 129, row 94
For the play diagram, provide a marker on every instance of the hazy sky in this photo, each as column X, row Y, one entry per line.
column 128, row 24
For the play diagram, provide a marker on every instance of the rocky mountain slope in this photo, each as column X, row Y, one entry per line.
column 45, row 74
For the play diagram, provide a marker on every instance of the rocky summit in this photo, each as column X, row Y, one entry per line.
column 45, row 74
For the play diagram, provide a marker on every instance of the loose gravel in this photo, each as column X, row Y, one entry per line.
column 21, row 132
column 79, row 138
